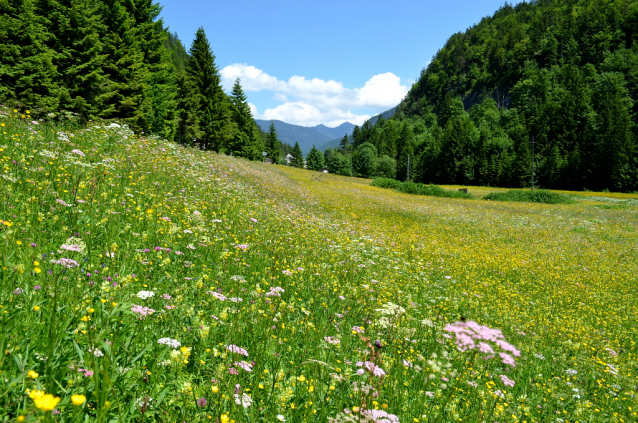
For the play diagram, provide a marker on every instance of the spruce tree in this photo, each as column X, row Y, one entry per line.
column 77, row 26
column 160, row 84
column 246, row 142
column 124, row 92
column 214, row 115
column 315, row 159
column 297, row 156
column 344, row 144
column 187, row 118
column 272, row 143
column 28, row 77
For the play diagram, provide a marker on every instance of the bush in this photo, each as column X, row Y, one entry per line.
column 386, row 167
column 537, row 196
column 419, row 189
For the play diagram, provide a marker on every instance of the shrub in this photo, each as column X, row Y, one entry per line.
column 537, row 196
column 419, row 189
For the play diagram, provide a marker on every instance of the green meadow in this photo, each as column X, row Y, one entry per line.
column 146, row 281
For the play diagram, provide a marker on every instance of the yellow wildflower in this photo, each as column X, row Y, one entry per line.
column 32, row 374
column 46, row 402
column 78, row 399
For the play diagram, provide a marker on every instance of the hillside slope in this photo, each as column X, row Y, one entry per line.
column 144, row 280
column 560, row 74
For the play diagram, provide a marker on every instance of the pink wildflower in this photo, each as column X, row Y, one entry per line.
column 244, row 365
column 507, row 381
column 68, row 263
column 142, row 311
column 237, row 350
column 470, row 335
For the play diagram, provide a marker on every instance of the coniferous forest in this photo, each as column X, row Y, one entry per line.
column 115, row 59
column 550, row 80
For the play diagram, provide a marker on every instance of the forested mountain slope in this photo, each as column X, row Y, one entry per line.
column 559, row 76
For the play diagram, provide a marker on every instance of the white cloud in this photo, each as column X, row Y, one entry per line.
column 300, row 113
column 252, row 79
column 253, row 109
column 313, row 101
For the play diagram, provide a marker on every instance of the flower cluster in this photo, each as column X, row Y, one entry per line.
column 472, row 336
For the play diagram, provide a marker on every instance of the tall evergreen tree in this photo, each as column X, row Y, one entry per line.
column 77, row 26
column 344, row 143
column 28, row 77
column 124, row 92
column 187, row 117
column 297, row 156
column 160, row 83
column 216, row 126
column 315, row 159
column 246, row 142
column 272, row 143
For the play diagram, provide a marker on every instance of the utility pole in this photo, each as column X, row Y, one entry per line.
column 533, row 160
column 408, row 178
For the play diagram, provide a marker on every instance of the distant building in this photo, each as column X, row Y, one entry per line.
column 268, row 160
column 288, row 158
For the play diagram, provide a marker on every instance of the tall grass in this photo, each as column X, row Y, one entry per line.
column 143, row 281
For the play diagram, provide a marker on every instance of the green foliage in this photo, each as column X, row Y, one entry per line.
column 28, row 76
column 272, row 143
column 124, row 94
column 246, row 141
column 337, row 163
column 406, row 154
column 419, row 189
column 386, row 167
column 364, row 160
column 213, row 108
column 315, row 159
column 559, row 76
column 297, row 156
column 536, row 196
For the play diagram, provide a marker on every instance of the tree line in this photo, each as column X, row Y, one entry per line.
column 115, row 59
column 547, row 86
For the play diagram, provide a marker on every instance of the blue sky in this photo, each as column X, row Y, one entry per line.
column 311, row 62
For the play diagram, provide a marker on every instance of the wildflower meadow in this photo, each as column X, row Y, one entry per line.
column 146, row 281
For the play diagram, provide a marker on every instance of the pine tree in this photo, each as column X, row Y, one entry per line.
column 77, row 26
column 124, row 92
column 28, row 77
column 315, row 159
column 272, row 143
column 247, row 142
column 187, row 119
column 356, row 137
column 297, row 156
column 160, row 84
column 215, row 121
column 344, row 143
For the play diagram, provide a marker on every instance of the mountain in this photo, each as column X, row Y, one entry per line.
column 543, row 93
column 338, row 132
column 334, row 143
column 306, row 136
column 386, row 115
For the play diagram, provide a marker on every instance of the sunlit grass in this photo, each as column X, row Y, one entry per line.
column 243, row 256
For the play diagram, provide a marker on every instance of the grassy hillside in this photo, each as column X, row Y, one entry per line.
column 144, row 281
